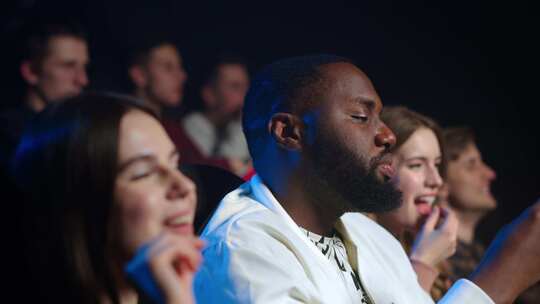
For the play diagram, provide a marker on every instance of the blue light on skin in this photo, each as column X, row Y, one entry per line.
column 139, row 273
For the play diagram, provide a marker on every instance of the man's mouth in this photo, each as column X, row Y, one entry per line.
column 387, row 171
column 385, row 168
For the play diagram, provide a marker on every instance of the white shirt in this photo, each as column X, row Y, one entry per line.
column 257, row 254
column 203, row 134
column 334, row 250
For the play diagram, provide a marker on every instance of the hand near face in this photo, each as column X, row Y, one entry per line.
column 436, row 242
column 164, row 268
column 512, row 262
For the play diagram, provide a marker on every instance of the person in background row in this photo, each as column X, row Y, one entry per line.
column 53, row 63
column 102, row 191
column 157, row 73
column 468, row 185
column 468, row 188
column 217, row 130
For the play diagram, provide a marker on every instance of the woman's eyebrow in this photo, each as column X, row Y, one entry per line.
column 422, row 158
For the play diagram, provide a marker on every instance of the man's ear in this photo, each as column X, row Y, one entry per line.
column 29, row 73
column 287, row 130
column 138, row 76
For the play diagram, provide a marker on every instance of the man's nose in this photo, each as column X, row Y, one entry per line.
column 489, row 172
column 385, row 137
column 81, row 77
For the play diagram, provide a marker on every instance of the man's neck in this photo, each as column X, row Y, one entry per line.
column 468, row 220
column 389, row 223
column 148, row 101
column 34, row 101
column 309, row 210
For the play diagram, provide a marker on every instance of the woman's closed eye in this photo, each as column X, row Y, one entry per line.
column 142, row 170
column 414, row 166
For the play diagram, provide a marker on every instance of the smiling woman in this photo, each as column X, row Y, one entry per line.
column 103, row 191
column 427, row 231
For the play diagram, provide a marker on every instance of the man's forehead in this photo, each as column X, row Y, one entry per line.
column 165, row 52
column 470, row 151
column 66, row 46
column 61, row 41
column 347, row 79
column 235, row 70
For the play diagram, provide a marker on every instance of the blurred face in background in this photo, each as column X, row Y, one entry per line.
column 162, row 77
column 226, row 94
column 151, row 194
column 469, row 181
column 62, row 71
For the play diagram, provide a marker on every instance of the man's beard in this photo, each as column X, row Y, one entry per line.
column 353, row 181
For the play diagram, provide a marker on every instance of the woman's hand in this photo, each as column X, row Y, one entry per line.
column 164, row 268
column 436, row 242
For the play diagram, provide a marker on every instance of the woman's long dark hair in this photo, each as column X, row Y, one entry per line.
column 66, row 165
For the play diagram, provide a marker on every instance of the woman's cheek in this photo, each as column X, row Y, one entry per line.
column 139, row 217
column 407, row 186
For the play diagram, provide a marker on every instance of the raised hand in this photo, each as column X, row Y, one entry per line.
column 164, row 268
column 436, row 241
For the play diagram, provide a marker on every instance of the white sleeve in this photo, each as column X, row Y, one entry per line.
column 250, row 274
column 464, row 292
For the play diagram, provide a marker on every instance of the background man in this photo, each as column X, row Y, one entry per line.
column 468, row 183
column 53, row 68
column 468, row 180
column 52, row 65
column 217, row 131
column 157, row 73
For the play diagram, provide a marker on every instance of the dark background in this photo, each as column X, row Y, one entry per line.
column 463, row 63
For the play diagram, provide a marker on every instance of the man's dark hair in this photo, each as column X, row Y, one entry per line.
column 140, row 54
column 456, row 139
column 291, row 85
column 38, row 35
column 225, row 59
